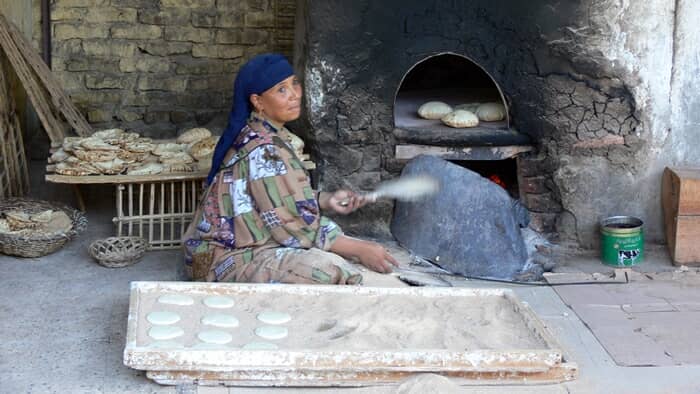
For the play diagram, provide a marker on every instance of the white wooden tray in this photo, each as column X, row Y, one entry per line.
column 335, row 366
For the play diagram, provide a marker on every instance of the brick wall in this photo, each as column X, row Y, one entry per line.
column 158, row 67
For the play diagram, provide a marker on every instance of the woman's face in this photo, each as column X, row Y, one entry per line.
column 281, row 103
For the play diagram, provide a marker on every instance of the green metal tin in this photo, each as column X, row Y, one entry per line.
column 621, row 241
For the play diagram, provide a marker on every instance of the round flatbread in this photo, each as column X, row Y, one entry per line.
column 213, row 336
column 110, row 167
column 176, row 158
column 58, row 156
column 146, row 169
column 176, row 299
column 271, row 332
column 491, row 112
column 161, row 333
column 178, row 167
column 163, row 318
column 204, row 148
column 108, row 134
column 92, row 156
column 219, row 302
column 193, row 135
column 274, row 317
column 93, row 143
column 460, row 119
column 434, row 110
column 220, row 320
column 168, row 149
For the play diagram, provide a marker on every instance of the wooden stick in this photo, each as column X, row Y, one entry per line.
column 36, row 95
column 151, row 204
column 22, row 158
column 166, row 216
column 120, row 213
column 183, row 207
column 131, row 208
column 162, row 209
column 59, row 98
column 172, row 209
column 141, row 209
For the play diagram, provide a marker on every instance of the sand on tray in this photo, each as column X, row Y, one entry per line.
column 359, row 322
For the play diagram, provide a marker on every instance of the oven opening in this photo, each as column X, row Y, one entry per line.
column 450, row 78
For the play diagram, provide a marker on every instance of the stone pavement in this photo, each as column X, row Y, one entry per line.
column 64, row 321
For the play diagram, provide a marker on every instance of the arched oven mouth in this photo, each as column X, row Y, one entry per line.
column 453, row 79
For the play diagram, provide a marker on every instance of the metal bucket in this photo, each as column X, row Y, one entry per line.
column 621, row 241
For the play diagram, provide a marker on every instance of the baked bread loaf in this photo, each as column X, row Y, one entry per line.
column 193, row 135
column 204, row 148
column 491, row 112
column 434, row 110
column 460, row 119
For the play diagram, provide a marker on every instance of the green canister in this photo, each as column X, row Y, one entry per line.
column 621, row 241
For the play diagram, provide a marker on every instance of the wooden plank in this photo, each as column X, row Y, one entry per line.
column 681, row 189
column 34, row 91
column 60, row 100
column 669, row 202
column 409, row 151
column 117, row 179
column 686, row 246
column 689, row 190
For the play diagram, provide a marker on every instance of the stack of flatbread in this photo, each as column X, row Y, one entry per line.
column 46, row 222
column 115, row 151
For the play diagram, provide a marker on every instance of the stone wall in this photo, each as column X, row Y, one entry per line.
column 158, row 67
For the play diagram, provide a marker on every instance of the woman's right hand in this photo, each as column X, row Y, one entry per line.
column 375, row 257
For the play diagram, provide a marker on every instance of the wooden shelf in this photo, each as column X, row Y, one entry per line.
column 116, row 179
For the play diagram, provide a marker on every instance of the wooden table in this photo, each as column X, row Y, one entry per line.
column 155, row 207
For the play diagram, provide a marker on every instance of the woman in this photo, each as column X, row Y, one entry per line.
column 259, row 220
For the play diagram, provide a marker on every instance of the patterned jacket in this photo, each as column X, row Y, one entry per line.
column 260, row 198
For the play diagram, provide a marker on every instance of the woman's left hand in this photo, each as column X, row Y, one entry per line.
column 342, row 201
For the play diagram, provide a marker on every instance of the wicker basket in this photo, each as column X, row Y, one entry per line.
column 37, row 245
column 117, row 252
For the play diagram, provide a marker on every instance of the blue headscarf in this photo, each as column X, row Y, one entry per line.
column 256, row 76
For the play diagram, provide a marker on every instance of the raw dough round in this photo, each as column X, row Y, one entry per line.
column 175, row 299
column 260, row 346
column 163, row 318
column 460, row 119
column 274, row 317
column 491, row 112
column 213, row 336
column 218, row 302
column 165, row 332
column 165, row 345
column 271, row 332
column 220, row 320
column 434, row 110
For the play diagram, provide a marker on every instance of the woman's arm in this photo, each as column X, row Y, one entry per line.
column 370, row 254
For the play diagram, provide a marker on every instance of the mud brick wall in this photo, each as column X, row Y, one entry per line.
column 158, row 67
